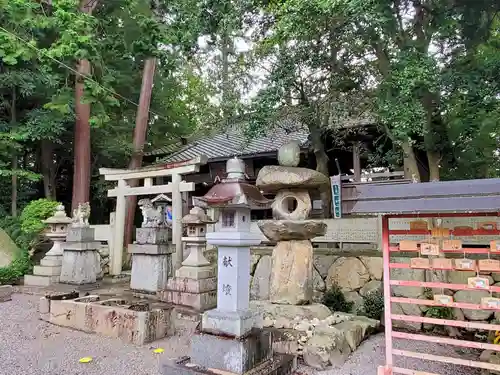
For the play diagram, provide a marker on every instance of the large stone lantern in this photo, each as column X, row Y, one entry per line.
column 235, row 198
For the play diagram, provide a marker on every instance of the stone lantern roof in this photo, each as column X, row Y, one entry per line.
column 59, row 217
column 197, row 216
column 234, row 191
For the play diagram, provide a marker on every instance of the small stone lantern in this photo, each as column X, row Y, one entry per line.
column 195, row 284
column 196, row 222
column 57, row 231
column 49, row 270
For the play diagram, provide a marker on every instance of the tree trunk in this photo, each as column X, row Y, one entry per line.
column 321, row 163
column 81, row 169
column 433, row 159
column 13, row 120
column 410, row 162
column 48, row 169
column 140, row 131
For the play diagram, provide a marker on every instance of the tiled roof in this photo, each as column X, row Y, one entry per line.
column 233, row 142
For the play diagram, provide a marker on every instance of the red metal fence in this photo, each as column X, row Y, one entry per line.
column 431, row 254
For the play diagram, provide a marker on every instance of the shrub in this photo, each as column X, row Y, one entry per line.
column 374, row 305
column 33, row 214
column 25, row 232
column 335, row 300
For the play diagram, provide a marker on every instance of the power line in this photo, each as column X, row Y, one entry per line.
column 77, row 73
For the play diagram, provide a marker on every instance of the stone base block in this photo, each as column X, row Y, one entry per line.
column 34, row 280
column 80, row 267
column 150, row 249
column 197, row 301
column 83, row 234
column 237, row 355
column 230, row 323
column 6, row 292
column 192, row 286
column 196, row 273
column 51, row 261
column 47, row 270
column 154, row 236
column 277, row 365
column 292, row 273
column 150, row 273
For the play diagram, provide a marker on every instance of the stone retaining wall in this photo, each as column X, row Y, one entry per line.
column 358, row 275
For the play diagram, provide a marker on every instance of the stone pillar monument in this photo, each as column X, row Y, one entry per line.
column 49, row 270
column 195, row 283
column 229, row 340
column 292, row 260
column 81, row 262
column 152, row 252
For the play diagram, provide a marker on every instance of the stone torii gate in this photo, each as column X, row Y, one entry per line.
column 149, row 174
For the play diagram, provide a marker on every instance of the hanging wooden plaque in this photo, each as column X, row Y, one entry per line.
column 420, row 263
column 429, row 248
column 440, row 232
column 465, row 264
column 443, row 299
column 494, row 245
column 487, row 225
column 408, row 245
column 419, row 225
column 490, row 303
column 478, row 283
column 452, row 245
column 442, row 264
column 489, row 265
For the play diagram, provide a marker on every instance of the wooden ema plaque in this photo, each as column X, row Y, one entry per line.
column 440, row 232
column 487, row 225
column 453, row 245
column 442, row 264
column 465, row 264
column 408, row 245
column 429, row 248
column 443, row 299
column 489, row 265
column 420, row 263
column 478, row 283
column 419, row 225
column 494, row 245
column 490, row 303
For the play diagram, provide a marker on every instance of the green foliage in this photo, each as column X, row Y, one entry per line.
column 373, row 305
column 439, row 312
column 25, row 231
column 335, row 300
column 33, row 214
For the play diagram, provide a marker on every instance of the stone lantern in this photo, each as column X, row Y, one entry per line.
column 49, row 269
column 232, row 330
column 194, row 285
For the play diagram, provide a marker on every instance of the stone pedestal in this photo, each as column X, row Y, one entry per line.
column 81, row 260
column 151, row 260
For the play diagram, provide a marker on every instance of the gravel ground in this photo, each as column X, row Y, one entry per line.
column 31, row 346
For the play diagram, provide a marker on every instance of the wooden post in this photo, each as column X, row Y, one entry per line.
column 116, row 253
column 356, row 162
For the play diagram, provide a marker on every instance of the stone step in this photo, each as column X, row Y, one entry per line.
column 51, row 262
column 35, row 280
column 279, row 364
column 46, row 271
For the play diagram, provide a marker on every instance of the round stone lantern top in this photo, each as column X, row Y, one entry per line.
column 235, row 169
column 197, row 216
column 289, row 154
column 59, row 217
